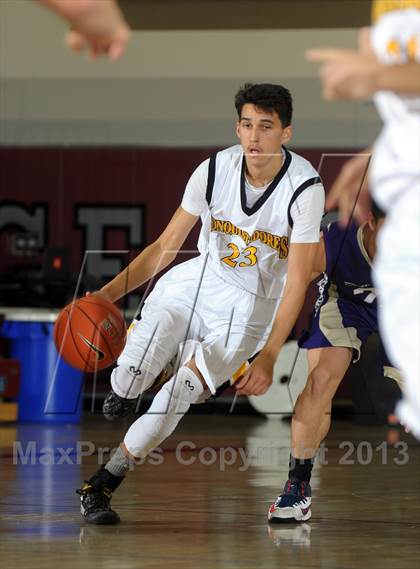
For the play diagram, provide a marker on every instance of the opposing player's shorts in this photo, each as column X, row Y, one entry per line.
column 191, row 302
column 341, row 323
column 346, row 324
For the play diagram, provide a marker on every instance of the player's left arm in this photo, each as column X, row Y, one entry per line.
column 320, row 260
column 300, row 269
column 303, row 261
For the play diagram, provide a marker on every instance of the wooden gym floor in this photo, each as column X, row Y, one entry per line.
column 210, row 514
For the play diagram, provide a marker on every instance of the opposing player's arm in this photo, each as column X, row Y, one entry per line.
column 355, row 75
column 153, row 258
column 98, row 25
column 403, row 78
column 350, row 191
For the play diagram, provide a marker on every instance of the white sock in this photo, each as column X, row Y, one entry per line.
column 169, row 406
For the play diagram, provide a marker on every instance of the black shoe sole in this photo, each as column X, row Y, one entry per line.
column 112, row 418
column 103, row 518
column 283, row 521
column 116, row 416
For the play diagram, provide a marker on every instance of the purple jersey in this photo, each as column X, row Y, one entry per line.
column 346, row 310
column 349, row 268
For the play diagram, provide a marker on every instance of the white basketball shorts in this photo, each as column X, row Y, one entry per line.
column 191, row 302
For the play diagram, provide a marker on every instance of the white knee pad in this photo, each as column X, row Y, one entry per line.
column 169, row 406
column 183, row 389
column 129, row 381
column 186, row 353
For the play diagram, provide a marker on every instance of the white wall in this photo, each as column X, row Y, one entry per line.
column 171, row 88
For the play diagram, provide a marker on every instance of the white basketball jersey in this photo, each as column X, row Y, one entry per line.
column 249, row 246
column 395, row 40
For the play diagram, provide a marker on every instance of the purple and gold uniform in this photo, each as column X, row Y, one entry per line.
column 346, row 312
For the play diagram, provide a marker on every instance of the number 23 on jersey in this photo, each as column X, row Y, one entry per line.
column 245, row 258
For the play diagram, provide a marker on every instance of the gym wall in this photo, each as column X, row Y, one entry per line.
column 174, row 87
column 83, row 144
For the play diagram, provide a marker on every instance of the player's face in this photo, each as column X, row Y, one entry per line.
column 261, row 134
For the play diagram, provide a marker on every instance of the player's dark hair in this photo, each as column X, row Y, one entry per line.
column 377, row 212
column 268, row 97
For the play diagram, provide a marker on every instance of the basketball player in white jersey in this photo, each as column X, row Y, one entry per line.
column 261, row 208
column 387, row 67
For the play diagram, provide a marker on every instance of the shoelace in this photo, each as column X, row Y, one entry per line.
column 89, row 489
column 95, row 501
column 296, row 488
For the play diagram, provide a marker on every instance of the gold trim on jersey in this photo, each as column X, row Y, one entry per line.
column 276, row 242
column 381, row 7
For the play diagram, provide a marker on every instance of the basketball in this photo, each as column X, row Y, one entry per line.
column 90, row 333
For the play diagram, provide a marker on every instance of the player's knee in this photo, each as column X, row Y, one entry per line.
column 322, row 383
column 193, row 367
column 184, row 389
column 132, row 380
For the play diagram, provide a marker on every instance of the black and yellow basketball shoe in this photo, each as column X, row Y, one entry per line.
column 95, row 498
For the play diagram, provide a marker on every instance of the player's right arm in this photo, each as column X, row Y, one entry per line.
column 163, row 251
column 153, row 258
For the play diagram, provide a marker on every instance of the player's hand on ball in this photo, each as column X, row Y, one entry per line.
column 101, row 294
column 258, row 378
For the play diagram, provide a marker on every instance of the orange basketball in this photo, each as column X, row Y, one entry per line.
column 90, row 333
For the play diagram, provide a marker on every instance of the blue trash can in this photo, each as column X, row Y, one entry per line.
column 50, row 390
